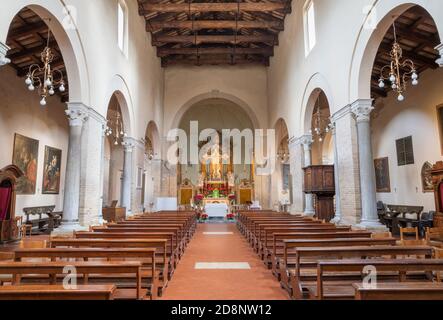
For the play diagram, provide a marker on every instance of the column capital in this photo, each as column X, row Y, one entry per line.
column 362, row 109
column 306, row 141
column 91, row 113
column 439, row 61
column 129, row 144
column 3, row 51
column 76, row 117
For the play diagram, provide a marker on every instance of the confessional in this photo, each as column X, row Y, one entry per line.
column 9, row 229
column 437, row 180
column 320, row 181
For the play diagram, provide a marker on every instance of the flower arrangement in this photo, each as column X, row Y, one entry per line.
column 198, row 199
column 204, row 217
column 230, row 216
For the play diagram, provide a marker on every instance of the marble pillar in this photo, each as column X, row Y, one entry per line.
column 296, row 166
column 76, row 117
column 126, row 190
column 362, row 112
column 307, row 142
column 337, row 217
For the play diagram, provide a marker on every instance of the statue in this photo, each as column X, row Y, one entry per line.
column 231, row 179
column 201, row 180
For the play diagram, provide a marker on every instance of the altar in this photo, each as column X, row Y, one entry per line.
column 216, row 210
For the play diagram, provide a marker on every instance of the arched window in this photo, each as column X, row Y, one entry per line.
column 309, row 26
column 122, row 18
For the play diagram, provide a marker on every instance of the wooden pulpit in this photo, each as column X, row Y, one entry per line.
column 8, row 223
column 320, row 181
column 437, row 180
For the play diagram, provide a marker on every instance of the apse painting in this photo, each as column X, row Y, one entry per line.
column 51, row 172
column 382, row 178
column 25, row 156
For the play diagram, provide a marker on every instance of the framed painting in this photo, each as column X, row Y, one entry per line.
column 25, row 156
column 426, row 178
column 51, row 171
column 382, row 178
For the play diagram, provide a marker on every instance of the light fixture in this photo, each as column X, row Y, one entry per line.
column 320, row 125
column 393, row 72
column 44, row 78
column 115, row 130
column 149, row 149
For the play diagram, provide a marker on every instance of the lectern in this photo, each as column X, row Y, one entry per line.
column 320, row 181
column 8, row 222
column 437, row 181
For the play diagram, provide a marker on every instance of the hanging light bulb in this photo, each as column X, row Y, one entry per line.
column 43, row 101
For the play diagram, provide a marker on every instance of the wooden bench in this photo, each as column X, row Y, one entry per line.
column 144, row 255
column 42, row 225
column 118, row 270
column 57, row 292
column 400, row 291
column 304, row 267
column 345, row 290
column 161, row 262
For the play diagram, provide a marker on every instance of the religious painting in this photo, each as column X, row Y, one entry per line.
column 25, row 156
column 440, row 125
column 51, row 171
column 426, row 177
column 382, row 178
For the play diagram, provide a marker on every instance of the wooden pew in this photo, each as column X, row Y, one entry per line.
column 57, row 292
column 116, row 269
column 400, row 291
column 305, row 268
column 161, row 262
column 345, row 291
column 146, row 256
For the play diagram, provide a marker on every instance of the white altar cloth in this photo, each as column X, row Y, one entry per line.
column 216, row 210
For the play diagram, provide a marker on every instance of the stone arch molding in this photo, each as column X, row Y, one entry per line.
column 153, row 133
column 316, row 84
column 120, row 89
column 368, row 40
column 214, row 95
column 67, row 36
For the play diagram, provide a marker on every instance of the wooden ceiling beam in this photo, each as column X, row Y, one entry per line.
column 167, row 62
column 215, row 7
column 199, row 39
column 163, row 52
column 213, row 24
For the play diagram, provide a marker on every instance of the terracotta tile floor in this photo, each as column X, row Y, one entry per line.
column 190, row 284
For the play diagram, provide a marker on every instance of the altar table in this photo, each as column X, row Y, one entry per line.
column 216, row 210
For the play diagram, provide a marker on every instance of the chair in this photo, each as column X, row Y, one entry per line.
column 24, row 229
column 408, row 242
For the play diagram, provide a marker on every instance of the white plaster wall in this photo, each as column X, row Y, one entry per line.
column 247, row 83
column 416, row 116
column 20, row 112
column 341, row 39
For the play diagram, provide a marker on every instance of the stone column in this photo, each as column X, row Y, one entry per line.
column 76, row 117
column 3, row 51
column 362, row 111
column 347, row 166
column 126, row 189
column 296, row 166
column 337, row 217
column 307, row 141
column 439, row 61
column 91, row 182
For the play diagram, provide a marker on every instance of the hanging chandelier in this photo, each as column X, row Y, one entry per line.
column 393, row 71
column 43, row 78
column 283, row 154
column 320, row 125
column 115, row 130
column 149, row 149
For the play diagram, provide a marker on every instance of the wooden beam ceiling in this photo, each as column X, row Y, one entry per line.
column 418, row 36
column 27, row 38
column 214, row 32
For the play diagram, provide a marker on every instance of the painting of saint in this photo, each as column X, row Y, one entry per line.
column 25, row 156
column 426, row 177
column 51, row 171
column 382, row 178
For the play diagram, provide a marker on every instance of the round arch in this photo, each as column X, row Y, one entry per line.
column 368, row 40
column 316, row 85
column 64, row 29
column 154, row 135
column 120, row 90
column 211, row 95
column 281, row 129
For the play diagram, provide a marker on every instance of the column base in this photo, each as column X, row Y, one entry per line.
column 372, row 225
column 67, row 229
column 336, row 220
